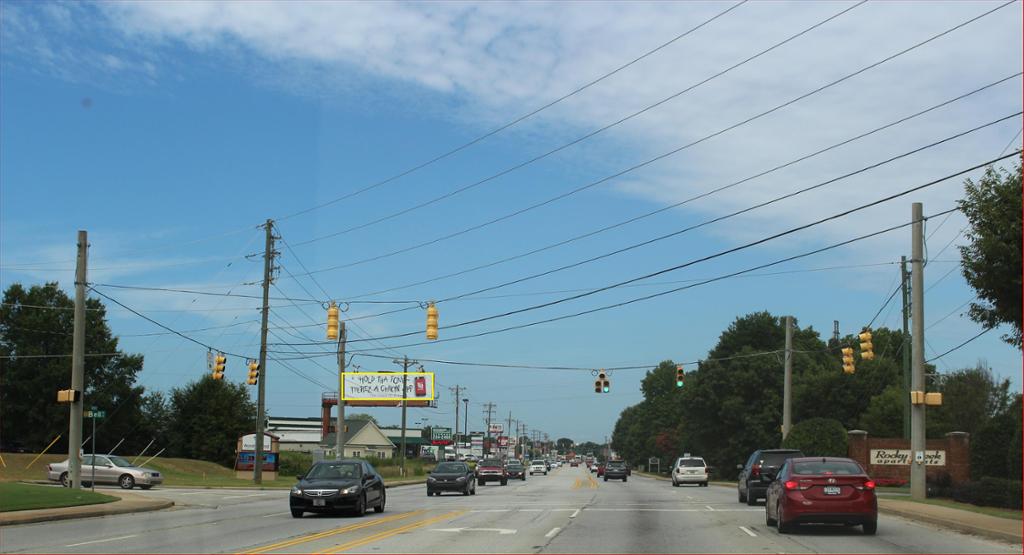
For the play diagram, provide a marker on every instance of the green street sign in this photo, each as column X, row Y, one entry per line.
column 95, row 414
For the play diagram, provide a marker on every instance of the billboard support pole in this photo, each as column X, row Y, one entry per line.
column 405, row 393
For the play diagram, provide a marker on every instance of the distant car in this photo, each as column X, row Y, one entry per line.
column 574, row 464
column 451, row 476
column 108, row 469
column 759, row 471
column 491, row 470
column 821, row 490
column 690, row 470
column 516, row 470
column 470, row 458
column 345, row 484
column 600, row 470
column 615, row 470
column 593, row 467
column 538, row 466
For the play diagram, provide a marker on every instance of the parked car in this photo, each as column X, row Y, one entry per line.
column 821, row 490
column 690, row 470
column 538, row 467
column 615, row 470
column 491, row 470
column 516, row 470
column 451, row 476
column 759, row 471
column 346, row 484
column 108, row 469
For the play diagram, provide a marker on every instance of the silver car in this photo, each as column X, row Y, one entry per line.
column 108, row 469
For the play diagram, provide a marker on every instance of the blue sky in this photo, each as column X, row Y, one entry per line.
column 169, row 131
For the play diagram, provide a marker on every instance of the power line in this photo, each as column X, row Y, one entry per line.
column 952, row 312
column 577, row 140
column 748, row 120
column 885, row 304
column 691, row 199
column 207, row 293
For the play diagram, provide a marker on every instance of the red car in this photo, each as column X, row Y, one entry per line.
column 600, row 470
column 821, row 490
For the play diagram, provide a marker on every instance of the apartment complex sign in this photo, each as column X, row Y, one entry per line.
column 384, row 389
column 932, row 457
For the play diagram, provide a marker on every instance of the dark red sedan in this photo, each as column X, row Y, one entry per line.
column 821, row 490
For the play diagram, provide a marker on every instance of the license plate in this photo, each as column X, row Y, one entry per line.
column 832, row 490
column 319, row 502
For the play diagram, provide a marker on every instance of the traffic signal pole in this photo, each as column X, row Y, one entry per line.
column 268, row 269
column 78, row 364
column 917, row 424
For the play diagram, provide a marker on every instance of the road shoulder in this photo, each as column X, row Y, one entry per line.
column 126, row 503
column 955, row 519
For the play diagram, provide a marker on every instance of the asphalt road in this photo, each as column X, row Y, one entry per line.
column 568, row 511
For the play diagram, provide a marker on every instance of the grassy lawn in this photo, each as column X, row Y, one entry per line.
column 194, row 473
column 991, row 511
column 20, row 497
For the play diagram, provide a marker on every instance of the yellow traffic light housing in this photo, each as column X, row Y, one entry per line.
column 680, row 375
column 219, row 363
column 431, row 321
column 254, row 372
column 68, row 396
column 848, row 360
column 332, row 321
column 867, row 350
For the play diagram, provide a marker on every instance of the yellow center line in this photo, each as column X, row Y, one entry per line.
column 578, row 484
column 593, row 482
column 332, row 532
column 389, row 533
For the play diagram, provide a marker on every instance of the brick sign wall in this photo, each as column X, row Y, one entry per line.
column 890, row 458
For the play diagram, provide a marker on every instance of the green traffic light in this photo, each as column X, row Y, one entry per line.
column 679, row 383
column 607, row 389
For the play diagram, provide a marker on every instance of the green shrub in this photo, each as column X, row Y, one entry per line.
column 293, row 463
column 990, row 492
column 818, row 437
column 418, row 470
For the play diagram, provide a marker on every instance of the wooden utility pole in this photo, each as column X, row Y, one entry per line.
column 787, row 387
column 78, row 364
column 905, row 286
column 489, row 408
column 405, row 393
column 339, row 434
column 917, row 424
column 268, row 270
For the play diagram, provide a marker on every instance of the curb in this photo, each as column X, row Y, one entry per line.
column 82, row 511
column 953, row 525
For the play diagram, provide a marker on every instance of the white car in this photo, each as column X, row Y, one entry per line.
column 538, row 466
column 690, row 470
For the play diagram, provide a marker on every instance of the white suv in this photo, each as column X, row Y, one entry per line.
column 690, row 470
column 538, row 466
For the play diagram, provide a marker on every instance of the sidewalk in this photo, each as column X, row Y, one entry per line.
column 969, row 522
column 127, row 503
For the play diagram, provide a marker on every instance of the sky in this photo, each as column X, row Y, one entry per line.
column 394, row 144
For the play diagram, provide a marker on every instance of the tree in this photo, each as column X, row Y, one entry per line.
column 28, row 386
column 884, row 415
column 361, row 416
column 970, row 398
column 563, row 444
column 992, row 261
column 208, row 416
column 818, row 437
column 995, row 447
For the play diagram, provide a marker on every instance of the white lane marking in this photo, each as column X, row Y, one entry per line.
column 748, row 531
column 531, row 510
column 502, row 531
column 241, row 496
column 198, row 493
column 275, row 514
column 553, row 532
column 675, row 510
column 102, row 541
column 575, row 513
column 709, row 507
column 491, row 511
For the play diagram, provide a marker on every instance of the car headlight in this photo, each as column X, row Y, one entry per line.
column 346, row 491
column 431, row 479
column 296, row 490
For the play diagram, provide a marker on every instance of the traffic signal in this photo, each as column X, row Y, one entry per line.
column 680, row 376
column 219, row 362
column 597, row 384
column 601, row 384
column 332, row 321
column 867, row 350
column 254, row 372
column 848, row 360
column 68, row 396
column 431, row 321
column 606, row 386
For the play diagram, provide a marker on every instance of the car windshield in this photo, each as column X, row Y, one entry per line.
column 515, row 466
column 691, row 462
column 839, row 468
column 776, row 459
column 537, row 462
column 616, row 464
column 451, row 468
column 334, row 471
column 118, row 461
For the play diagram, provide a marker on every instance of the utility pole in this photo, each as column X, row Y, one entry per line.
column 339, row 427
column 456, row 436
column 508, row 431
column 405, row 393
column 78, row 363
column 905, row 286
column 787, row 388
column 917, row 424
column 465, row 421
column 268, row 270
column 489, row 408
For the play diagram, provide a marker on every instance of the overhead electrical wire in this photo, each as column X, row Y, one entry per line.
column 578, row 140
column 691, row 199
column 952, row 312
column 513, row 122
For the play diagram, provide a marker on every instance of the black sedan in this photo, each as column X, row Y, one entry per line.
column 329, row 486
column 451, row 476
column 516, row 470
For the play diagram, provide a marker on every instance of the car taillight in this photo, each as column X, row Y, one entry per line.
column 791, row 485
column 868, row 485
column 755, row 470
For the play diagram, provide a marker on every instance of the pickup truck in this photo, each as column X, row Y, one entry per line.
column 491, row 470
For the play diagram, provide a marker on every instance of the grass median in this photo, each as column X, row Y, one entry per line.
column 22, row 497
